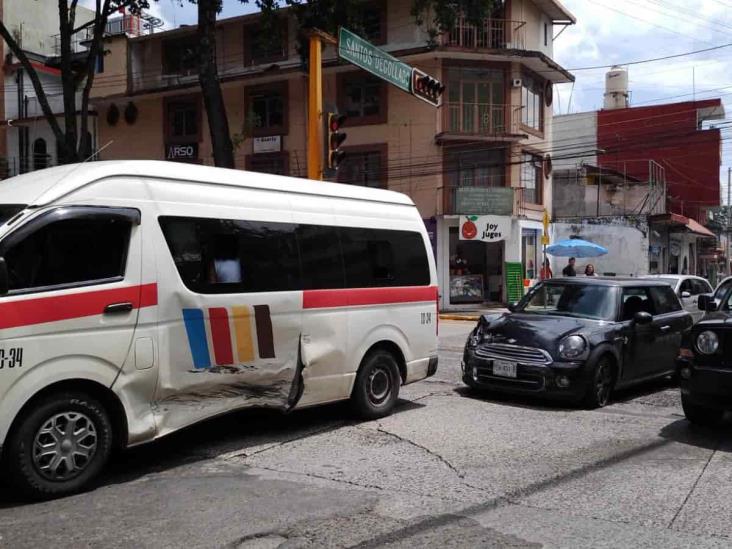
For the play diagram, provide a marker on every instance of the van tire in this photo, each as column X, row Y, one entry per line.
column 23, row 470
column 376, row 390
column 700, row 415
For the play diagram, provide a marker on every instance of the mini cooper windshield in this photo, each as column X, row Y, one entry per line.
column 571, row 299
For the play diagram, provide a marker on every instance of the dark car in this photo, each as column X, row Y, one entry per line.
column 705, row 370
column 578, row 339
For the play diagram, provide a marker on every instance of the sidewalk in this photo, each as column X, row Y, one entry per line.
column 470, row 315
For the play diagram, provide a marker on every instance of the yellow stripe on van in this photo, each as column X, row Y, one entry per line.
column 243, row 328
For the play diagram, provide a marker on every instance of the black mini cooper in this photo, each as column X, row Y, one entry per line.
column 578, row 339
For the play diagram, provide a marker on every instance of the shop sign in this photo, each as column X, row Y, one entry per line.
column 484, row 200
column 181, row 151
column 269, row 144
column 485, row 228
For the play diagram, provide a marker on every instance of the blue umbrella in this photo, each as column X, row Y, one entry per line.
column 576, row 247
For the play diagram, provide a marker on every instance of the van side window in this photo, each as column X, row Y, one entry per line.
column 379, row 257
column 320, row 254
column 70, row 251
column 226, row 256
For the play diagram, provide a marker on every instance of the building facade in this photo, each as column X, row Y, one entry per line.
column 481, row 153
column 646, row 175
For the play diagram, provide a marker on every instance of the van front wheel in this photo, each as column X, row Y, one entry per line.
column 377, row 386
column 58, row 446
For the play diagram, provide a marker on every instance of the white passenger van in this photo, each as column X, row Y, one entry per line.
column 139, row 297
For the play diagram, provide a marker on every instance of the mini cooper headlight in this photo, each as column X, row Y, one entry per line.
column 572, row 347
column 707, row 342
column 476, row 336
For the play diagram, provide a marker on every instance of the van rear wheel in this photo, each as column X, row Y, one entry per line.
column 58, row 446
column 377, row 386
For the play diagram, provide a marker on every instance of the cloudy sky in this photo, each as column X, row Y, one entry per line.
column 616, row 31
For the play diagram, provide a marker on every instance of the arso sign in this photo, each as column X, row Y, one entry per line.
column 181, row 151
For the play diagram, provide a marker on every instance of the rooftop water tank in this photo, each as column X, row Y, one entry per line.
column 616, row 88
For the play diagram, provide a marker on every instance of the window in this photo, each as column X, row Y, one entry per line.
column 700, row 287
column 379, row 257
column 267, row 110
column 636, row 300
column 230, row 256
column 265, row 47
column 546, row 34
column 364, row 167
column 372, row 18
column 530, row 248
column 574, row 300
column 532, row 103
column 476, row 167
column 40, row 154
column 70, row 251
column 475, row 101
column 273, row 163
column 363, row 99
column 182, row 120
column 9, row 210
column 531, row 174
column 665, row 300
column 226, row 256
column 180, row 56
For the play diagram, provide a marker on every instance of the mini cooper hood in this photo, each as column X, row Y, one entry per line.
column 529, row 330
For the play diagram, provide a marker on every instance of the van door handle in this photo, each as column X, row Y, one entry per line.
column 116, row 308
column 665, row 328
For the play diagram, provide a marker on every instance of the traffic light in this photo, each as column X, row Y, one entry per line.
column 426, row 88
column 335, row 139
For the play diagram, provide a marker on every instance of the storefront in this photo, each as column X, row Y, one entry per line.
column 486, row 260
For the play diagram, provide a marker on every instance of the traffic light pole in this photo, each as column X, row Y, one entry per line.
column 315, row 103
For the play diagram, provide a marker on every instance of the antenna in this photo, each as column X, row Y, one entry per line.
column 92, row 155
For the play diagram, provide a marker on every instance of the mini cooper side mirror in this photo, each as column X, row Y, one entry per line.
column 512, row 306
column 642, row 317
column 706, row 303
column 4, row 283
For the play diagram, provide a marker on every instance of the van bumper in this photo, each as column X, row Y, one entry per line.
column 420, row 369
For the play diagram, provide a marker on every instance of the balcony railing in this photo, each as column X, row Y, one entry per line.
column 491, row 34
column 478, row 119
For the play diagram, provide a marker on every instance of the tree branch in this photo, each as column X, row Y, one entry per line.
column 33, row 75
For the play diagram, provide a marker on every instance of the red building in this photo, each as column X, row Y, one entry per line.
column 672, row 136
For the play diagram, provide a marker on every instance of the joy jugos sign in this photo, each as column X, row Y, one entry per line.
column 488, row 228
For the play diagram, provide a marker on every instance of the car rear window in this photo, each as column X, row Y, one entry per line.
column 9, row 210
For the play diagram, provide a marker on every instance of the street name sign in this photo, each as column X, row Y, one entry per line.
column 362, row 53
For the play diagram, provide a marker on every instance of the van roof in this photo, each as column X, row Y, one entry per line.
column 43, row 187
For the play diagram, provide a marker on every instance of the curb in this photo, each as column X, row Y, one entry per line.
column 466, row 318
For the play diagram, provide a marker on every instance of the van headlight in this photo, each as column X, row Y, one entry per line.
column 707, row 342
column 572, row 347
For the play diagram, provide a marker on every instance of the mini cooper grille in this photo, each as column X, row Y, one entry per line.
column 515, row 353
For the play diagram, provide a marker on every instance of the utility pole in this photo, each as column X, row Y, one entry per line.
column 315, row 102
column 727, row 246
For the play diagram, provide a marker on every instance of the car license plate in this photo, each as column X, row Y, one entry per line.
column 504, row 369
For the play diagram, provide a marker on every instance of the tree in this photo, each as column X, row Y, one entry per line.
column 73, row 142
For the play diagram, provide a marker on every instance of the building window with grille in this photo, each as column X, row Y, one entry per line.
column 372, row 17
column 364, row 166
column 531, row 174
column 532, row 103
column 265, row 46
column 180, row 56
column 475, row 101
column 363, row 99
column 273, row 163
column 267, row 110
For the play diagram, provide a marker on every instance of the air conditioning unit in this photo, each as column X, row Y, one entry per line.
column 517, row 83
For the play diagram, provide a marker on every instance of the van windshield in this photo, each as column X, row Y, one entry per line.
column 9, row 210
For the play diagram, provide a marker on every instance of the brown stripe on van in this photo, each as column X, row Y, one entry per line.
column 265, row 339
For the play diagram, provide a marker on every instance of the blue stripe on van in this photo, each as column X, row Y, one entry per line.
column 196, row 330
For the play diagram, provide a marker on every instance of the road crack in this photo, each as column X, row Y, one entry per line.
column 693, row 486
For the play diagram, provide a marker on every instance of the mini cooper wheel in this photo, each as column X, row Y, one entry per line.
column 377, row 386
column 58, row 446
column 700, row 415
column 601, row 384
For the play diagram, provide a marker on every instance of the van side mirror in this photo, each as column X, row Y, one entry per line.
column 706, row 303
column 642, row 317
column 685, row 295
column 4, row 281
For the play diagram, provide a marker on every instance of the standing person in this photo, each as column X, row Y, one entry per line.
column 590, row 270
column 569, row 269
column 546, row 270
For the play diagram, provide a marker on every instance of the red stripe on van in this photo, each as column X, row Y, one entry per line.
column 221, row 336
column 27, row 312
column 321, row 299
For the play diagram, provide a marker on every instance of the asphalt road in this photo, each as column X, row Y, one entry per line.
column 446, row 470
